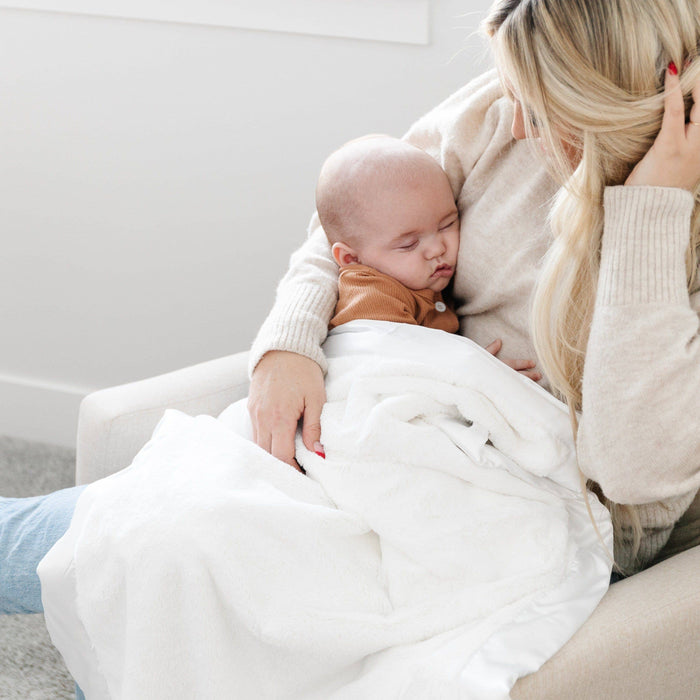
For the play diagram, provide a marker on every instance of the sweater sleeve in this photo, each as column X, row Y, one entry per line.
column 304, row 303
column 456, row 134
column 638, row 435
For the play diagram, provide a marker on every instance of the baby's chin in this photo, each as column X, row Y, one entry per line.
column 440, row 284
column 436, row 282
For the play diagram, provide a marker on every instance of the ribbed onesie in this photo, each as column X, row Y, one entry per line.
column 364, row 292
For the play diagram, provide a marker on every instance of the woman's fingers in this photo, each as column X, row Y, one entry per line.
column 674, row 158
column 284, row 385
column 494, row 347
column 693, row 127
column 283, row 446
column 673, row 122
column 520, row 364
column 274, row 430
column 311, row 423
column 695, row 112
column 525, row 367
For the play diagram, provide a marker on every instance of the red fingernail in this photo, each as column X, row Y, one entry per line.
column 321, row 454
column 672, row 68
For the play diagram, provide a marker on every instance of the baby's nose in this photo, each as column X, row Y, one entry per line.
column 436, row 247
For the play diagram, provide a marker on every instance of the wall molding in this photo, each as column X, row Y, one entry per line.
column 403, row 21
column 37, row 411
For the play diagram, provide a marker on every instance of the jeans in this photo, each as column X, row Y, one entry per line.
column 29, row 527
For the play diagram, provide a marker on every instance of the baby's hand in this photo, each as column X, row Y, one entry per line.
column 523, row 366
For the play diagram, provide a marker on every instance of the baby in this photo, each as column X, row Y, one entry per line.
column 390, row 216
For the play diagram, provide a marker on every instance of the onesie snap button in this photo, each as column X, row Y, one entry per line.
column 440, row 306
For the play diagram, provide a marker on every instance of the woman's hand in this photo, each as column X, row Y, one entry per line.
column 286, row 387
column 525, row 367
column 674, row 158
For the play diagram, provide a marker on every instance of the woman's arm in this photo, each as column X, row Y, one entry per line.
column 639, row 436
column 306, row 297
column 455, row 133
column 287, row 361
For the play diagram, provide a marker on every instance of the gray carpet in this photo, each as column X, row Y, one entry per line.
column 30, row 667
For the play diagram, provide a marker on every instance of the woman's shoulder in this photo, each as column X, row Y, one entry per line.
column 475, row 119
column 482, row 95
column 480, row 104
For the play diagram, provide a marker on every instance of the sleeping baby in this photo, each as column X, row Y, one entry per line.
column 388, row 211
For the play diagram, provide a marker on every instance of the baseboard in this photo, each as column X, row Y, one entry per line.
column 39, row 411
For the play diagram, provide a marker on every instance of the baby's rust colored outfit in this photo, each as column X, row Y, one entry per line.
column 364, row 292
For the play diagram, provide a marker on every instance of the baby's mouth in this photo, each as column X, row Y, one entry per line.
column 443, row 270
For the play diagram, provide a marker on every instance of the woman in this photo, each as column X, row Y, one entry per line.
column 615, row 320
column 596, row 103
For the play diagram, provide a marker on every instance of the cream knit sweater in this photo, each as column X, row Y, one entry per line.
column 638, row 436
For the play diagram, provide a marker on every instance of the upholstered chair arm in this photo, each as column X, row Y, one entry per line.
column 115, row 423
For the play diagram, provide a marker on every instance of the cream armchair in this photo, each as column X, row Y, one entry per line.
column 642, row 642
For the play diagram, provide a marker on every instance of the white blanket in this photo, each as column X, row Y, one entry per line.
column 441, row 550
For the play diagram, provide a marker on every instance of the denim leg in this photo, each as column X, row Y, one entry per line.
column 29, row 527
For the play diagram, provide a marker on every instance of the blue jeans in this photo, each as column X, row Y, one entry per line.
column 29, row 527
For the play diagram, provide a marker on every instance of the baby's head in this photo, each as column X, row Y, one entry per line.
column 389, row 205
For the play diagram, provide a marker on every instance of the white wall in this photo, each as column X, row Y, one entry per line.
column 155, row 177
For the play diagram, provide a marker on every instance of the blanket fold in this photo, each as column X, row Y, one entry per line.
column 442, row 549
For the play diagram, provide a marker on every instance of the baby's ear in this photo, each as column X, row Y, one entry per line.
column 344, row 254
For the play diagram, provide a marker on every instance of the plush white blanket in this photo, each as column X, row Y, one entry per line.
column 441, row 550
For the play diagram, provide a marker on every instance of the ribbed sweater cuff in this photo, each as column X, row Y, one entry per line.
column 665, row 512
column 297, row 324
column 657, row 520
column 647, row 230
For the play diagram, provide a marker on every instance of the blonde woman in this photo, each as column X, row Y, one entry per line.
column 607, row 88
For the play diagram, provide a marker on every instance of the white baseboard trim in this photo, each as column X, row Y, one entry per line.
column 38, row 411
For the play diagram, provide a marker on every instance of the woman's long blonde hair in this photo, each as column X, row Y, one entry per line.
column 590, row 76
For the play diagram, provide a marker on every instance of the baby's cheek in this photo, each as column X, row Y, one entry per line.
column 455, row 241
